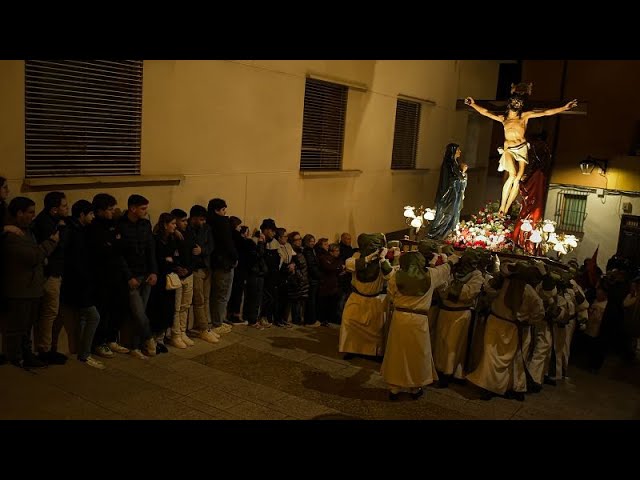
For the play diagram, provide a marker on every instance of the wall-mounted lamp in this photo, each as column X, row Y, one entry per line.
column 587, row 165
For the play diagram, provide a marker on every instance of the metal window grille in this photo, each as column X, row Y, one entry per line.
column 405, row 137
column 325, row 109
column 571, row 211
column 83, row 118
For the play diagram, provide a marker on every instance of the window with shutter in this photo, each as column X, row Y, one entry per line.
column 325, row 109
column 82, row 118
column 405, row 137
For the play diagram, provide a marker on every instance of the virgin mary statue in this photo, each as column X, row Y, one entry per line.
column 450, row 194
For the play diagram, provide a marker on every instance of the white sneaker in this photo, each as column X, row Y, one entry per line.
column 103, row 351
column 150, row 347
column 138, row 354
column 177, row 342
column 92, row 362
column 187, row 340
column 115, row 347
column 220, row 330
column 209, row 336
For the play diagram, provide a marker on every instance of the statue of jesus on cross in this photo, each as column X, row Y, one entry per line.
column 514, row 154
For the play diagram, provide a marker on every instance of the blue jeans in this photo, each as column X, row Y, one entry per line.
column 138, row 299
column 89, row 319
column 221, row 283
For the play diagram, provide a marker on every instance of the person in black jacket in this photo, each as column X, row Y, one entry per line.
column 78, row 285
column 201, row 264
column 313, row 271
column 331, row 268
column 344, row 281
column 4, row 213
column 49, row 326
column 162, row 301
column 254, row 285
column 297, row 280
column 224, row 259
column 270, row 296
column 111, row 290
column 140, row 267
column 239, row 234
column 22, row 260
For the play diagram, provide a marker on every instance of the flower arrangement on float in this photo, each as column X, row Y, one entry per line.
column 488, row 229
column 494, row 232
column 545, row 238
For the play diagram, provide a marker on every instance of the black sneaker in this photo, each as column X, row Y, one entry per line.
column 418, row 394
column 549, row 381
column 55, row 358
column 236, row 321
column 443, row 381
column 161, row 348
column 31, row 361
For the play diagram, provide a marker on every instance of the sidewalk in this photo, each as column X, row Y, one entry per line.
column 282, row 374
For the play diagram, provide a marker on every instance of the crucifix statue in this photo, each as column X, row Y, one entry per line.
column 514, row 154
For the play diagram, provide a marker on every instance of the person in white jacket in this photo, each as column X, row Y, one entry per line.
column 408, row 362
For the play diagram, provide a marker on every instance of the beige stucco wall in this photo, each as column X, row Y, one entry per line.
column 601, row 225
column 233, row 129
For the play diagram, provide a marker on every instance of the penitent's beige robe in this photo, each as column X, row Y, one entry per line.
column 362, row 329
column 501, row 339
column 452, row 330
column 408, row 362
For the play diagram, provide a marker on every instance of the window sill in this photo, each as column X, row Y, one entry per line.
column 414, row 171
column 329, row 173
column 77, row 183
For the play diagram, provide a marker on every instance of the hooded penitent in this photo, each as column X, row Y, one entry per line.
column 463, row 271
column 519, row 275
column 412, row 279
column 368, row 243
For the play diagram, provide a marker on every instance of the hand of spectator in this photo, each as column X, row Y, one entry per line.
column 181, row 271
column 55, row 237
column 292, row 267
column 133, row 283
column 197, row 250
column 168, row 259
column 13, row 229
column 152, row 279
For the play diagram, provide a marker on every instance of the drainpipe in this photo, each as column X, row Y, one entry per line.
column 554, row 147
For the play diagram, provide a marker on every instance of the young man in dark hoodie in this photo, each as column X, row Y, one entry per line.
column 48, row 328
column 23, row 282
column 140, row 268
column 111, row 291
column 224, row 259
column 78, row 285
column 201, row 264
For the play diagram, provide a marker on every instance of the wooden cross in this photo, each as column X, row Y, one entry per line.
column 498, row 107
